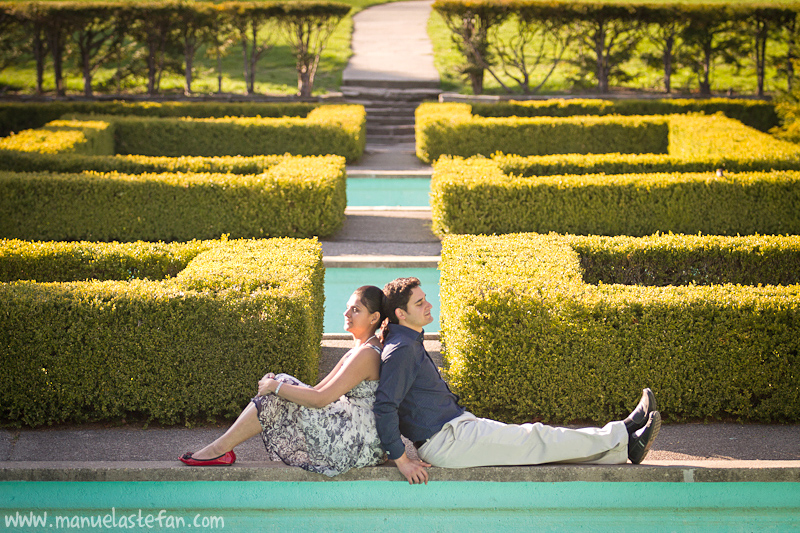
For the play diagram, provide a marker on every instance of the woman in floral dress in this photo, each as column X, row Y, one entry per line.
column 328, row 428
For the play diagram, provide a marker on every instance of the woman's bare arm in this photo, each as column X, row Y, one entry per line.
column 363, row 364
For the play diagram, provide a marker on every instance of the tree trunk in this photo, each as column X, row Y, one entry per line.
column 151, row 71
column 602, row 66
column 188, row 55
column 219, row 71
column 57, row 52
column 705, row 81
column 670, row 43
column 39, row 55
column 87, row 76
column 761, row 54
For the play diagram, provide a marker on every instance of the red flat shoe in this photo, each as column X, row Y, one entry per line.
column 226, row 459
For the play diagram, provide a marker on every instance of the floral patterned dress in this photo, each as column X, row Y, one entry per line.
column 330, row 440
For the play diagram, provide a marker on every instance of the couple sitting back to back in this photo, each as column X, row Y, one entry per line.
column 388, row 387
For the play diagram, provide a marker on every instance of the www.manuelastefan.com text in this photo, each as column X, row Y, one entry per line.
column 113, row 520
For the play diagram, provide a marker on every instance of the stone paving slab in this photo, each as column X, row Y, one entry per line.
column 391, row 47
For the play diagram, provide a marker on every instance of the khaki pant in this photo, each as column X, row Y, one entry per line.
column 468, row 441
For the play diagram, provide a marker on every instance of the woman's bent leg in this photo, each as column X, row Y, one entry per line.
column 245, row 427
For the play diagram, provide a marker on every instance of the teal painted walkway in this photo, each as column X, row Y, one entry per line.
column 388, row 506
column 405, row 192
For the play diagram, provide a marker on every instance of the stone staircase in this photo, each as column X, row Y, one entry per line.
column 390, row 109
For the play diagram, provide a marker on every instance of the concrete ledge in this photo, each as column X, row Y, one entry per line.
column 689, row 472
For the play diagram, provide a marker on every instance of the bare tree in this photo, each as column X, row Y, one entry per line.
column 542, row 38
column 97, row 37
column 470, row 24
column 308, row 27
column 609, row 38
column 252, row 21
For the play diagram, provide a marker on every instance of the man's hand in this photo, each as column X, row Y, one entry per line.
column 414, row 470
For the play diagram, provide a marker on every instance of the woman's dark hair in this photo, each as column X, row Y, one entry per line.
column 398, row 293
column 372, row 298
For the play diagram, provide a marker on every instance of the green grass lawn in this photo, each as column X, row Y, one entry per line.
column 276, row 73
column 724, row 77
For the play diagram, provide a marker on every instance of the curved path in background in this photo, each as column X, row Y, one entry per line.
column 390, row 44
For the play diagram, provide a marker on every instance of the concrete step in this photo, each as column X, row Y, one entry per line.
column 377, row 85
column 392, row 130
column 388, row 140
column 384, row 95
column 390, row 120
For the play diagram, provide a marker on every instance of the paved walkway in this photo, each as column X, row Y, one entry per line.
column 391, row 46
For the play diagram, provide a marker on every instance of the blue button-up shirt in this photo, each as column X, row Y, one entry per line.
column 412, row 398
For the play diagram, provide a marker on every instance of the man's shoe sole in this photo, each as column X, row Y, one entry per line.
column 637, row 450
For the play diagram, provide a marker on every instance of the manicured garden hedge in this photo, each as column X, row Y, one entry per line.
column 297, row 197
column 529, row 337
column 18, row 116
column 758, row 114
column 475, row 196
column 19, row 161
column 160, row 332
column 82, row 137
column 326, row 130
column 689, row 141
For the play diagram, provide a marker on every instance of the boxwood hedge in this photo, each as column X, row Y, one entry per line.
column 297, row 197
column 540, row 326
column 475, row 196
column 159, row 332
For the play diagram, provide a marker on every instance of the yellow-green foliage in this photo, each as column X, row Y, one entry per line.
column 87, row 137
column 759, row 114
column 298, row 197
column 166, row 332
column 134, row 164
column 694, row 143
column 527, row 337
column 476, row 196
column 19, row 116
column 451, row 129
column 334, row 129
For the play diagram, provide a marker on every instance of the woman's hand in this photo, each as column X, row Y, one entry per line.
column 267, row 385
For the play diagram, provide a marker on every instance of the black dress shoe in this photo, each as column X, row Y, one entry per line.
column 639, row 443
column 638, row 418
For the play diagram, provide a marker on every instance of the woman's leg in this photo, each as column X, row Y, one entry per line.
column 245, row 427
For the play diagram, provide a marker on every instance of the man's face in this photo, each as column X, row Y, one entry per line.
column 417, row 314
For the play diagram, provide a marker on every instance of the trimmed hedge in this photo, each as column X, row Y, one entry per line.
column 83, row 137
column 696, row 143
column 693, row 142
column 758, row 114
column 476, row 196
column 134, row 164
column 298, row 197
column 328, row 130
column 187, row 347
column 451, row 129
column 18, row 116
column 526, row 337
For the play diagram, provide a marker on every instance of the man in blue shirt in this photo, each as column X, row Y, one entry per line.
column 412, row 400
